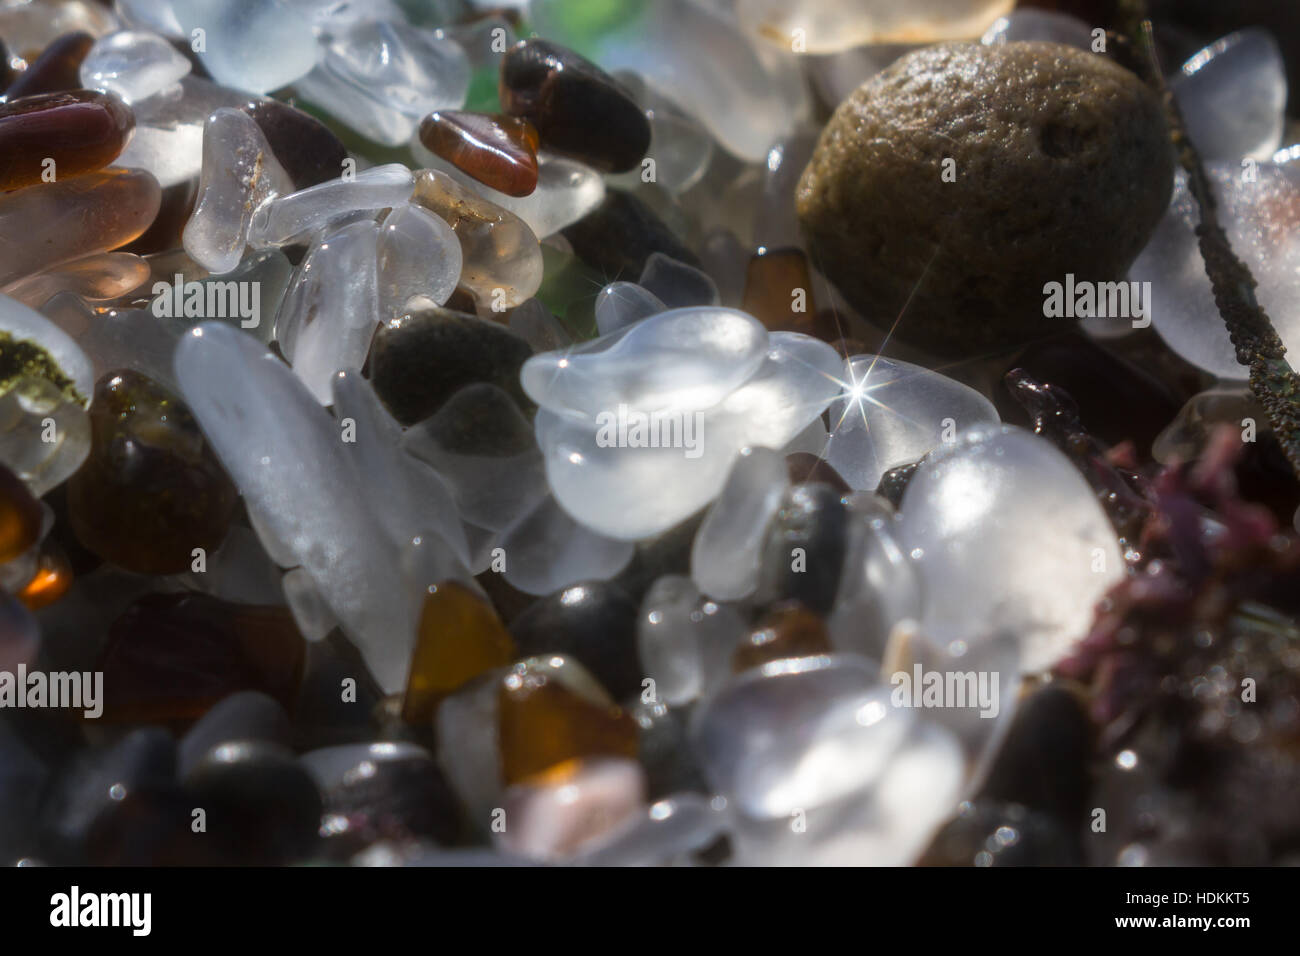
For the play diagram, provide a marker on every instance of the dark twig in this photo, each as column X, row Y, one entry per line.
column 1272, row 380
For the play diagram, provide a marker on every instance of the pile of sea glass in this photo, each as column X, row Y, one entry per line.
column 426, row 418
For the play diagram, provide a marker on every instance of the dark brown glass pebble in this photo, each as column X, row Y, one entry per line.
column 81, row 131
column 577, row 107
column 152, row 489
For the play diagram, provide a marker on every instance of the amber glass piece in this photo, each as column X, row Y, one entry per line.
column 788, row 630
column 459, row 638
column 543, row 722
column 152, row 489
column 498, row 150
column 58, row 68
column 778, row 290
column 170, row 657
column 51, row 581
column 20, row 516
column 80, row 131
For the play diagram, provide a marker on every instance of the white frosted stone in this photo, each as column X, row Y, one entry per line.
column 284, row 453
column 828, row 26
column 1259, row 221
column 132, row 64
column 1007, row 536
column 554, row 819
column 408, row 497
column 493, row 486
column 727, row 550
column 1232, row 95
column 419, row 261
column 547, row 550
column 255, row 45
column 679, row 360
column 812, row 739
column 632, row 489
column 25, row 324
column 155, row 15
column 331, row 310
column 329, row 17
column 381, row 79
column 621, row 304
column 684, row 640
column 287, row 218
column 239, row 174
column 1020, row 26
column 894, row 413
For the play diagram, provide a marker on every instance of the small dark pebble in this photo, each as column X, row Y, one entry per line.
column 594, row 623
column 421, row 359
column 618, row 236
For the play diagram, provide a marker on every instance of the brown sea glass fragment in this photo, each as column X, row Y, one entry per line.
column 459, row 638
column 152, row 489
column 778, row 290
column 788, row 630
column 499, row 151
column 543, row 722
column 53, row 136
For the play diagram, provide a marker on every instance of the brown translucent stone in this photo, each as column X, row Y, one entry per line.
column 459, row 638
column 170, row 657
column 49, row 223
column 152, row 489
column 51, row 581
column 544, row 720
column 80, row 131
column 776, row 282
column 58, row 68
column 788, row 630
column 499, row 151
column 20, row 516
